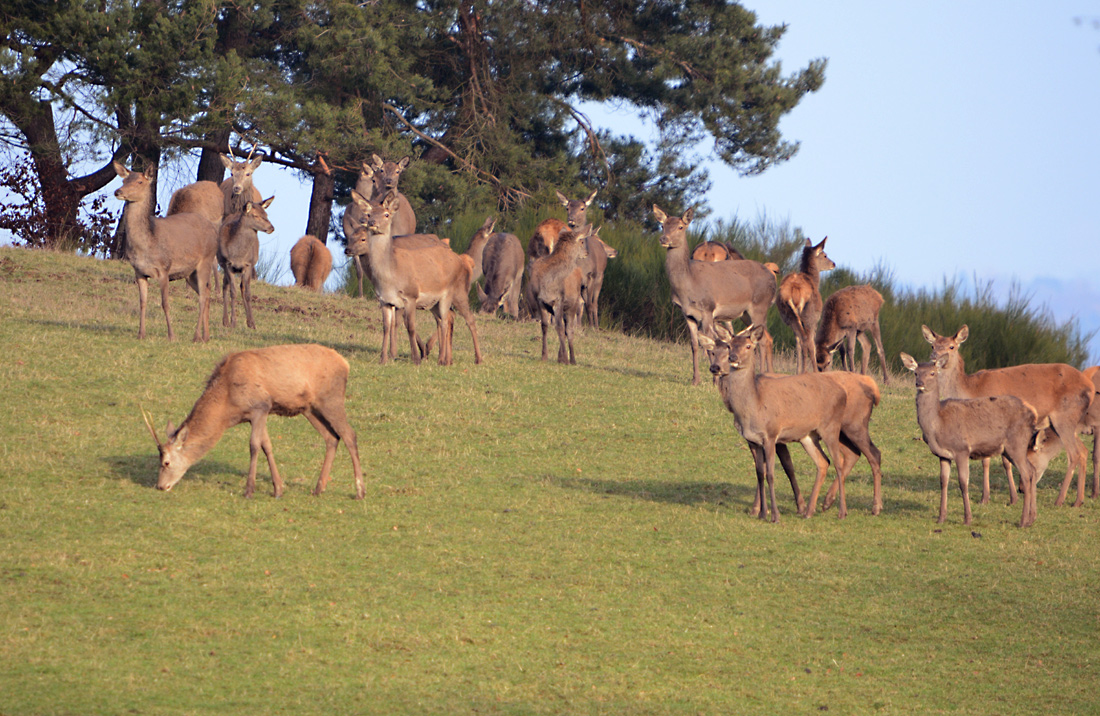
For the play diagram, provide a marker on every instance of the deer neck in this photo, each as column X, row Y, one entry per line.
column 138, row 218
column 383, row 266
column 208, row 420
column 678, row 266
column 812, row 272
column 929, row 418
column 953, row 379
column 741, row 395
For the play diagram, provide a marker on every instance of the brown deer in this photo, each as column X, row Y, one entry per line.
column 433, row 277
column 301, row 379
column 715, row 251
column 595, row 265
column 217, row 201
column 556, row 282
column 238, row 252
column 179, row 246
column 848, row 315
column 799, row 301
column 770, row 409
column 374, row 181
column 310, row 262
column 1057, row 391
column 502, row 262
column 960, row 429
column 708, row 292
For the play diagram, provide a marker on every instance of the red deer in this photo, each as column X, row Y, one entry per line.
column 373, row 182
column 960, row 429
column 556, row 282
column 502, row 262
column 709, row 292
column 431, row 277
column 769, row 409
column 799, row 301
column 849, row 314
column 1052, row 445
column 595, row 265
column 217, row 201
column 1057, row 391
column 238, row 252
column 715, row 251
column 310, row 262
column 305, row 379
column 179, row 246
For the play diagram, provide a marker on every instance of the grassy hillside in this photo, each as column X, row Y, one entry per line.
column 535, row 539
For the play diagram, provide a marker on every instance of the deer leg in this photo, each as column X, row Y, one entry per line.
column 822, row 464
column 559, row 326
column 255, row 444
column 784, row 455
column 985, row 484
column 388, row 315
column 246, row 296
column 759, row 506
column 544, row 318
column 1075, row 458
column 359, row 274
column 876, row 334
column 963, row 465
column 164, row 305
column 143, row 298
column 227, row 288
column 467, row 314
column 571, row 319
column 850, row 353
column 410, row 326
column 864, row 353
column 1011, row 482
column 1095, row 462
column 331, row 441
column 693, row 331
column 769, row 474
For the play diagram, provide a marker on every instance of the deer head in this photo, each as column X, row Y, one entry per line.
column 173, row 460
column 241, row 172
column 673, row 228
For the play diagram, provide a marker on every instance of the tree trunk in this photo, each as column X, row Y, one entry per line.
column 320, row 205
column 210, row 164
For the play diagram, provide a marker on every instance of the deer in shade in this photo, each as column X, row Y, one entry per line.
column 849, row 315
column 238, row 252
column 287, row 380
column 960, row 429
column 708, row 292
column 310, row 262
column 799, row 301
column 166, row 249
column 1058, row 392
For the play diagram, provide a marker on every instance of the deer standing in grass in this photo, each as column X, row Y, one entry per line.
column 850, row 314
column 375, row 179
column 238, row 252
column 1057, row 391
column 310, row 262
column 959, row 429
column 556, row 282
column 502, row 264
column 799, row 301
column 433, row 277
column 179, row 246
column 708, row 292
column 770, row 409
column 595, row 264
column 217, row 201
column 304, row 379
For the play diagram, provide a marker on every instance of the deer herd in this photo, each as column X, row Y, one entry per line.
column 1025, row 414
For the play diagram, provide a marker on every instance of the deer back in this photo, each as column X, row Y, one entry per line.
column 202, row 197
column 502, row 263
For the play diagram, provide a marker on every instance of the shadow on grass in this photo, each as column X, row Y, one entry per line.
column 142, row 469
column 107, row 328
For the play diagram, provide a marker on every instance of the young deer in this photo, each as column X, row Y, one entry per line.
column 431, row 277
column 799, row 301
column 961, row 429
column 238, row 252
column 373, row 183
column 849, row 314
column 770, row 409
column 217, row 201
column 301, row 379
column 175, row 247
column 1057, row 391
column 502, row 262
column 708, row 292
column 310, row 262
column 595, row 265
column 556, row 282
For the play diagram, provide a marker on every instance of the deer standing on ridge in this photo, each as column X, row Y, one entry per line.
column 707, row 292
column 179, row 246
column 288, row 380
column 238, row 252
column 799, row 301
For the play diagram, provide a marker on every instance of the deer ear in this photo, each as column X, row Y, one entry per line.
column 941, row 362
column 359, row 199
column 756, row 332
column 403, row 163
column 591, row 198
column 688, row 215
column 929, row 334
column 120, row 170
column 909, row 362
column 366, row 170
column 267, row 202
column 376, row 161
column 257, row 162
column 487, row 227
column 963, row 334
column 561, row 199
column 706, row 342
column 226, row 161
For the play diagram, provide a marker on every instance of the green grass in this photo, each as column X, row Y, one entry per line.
column 536, row 539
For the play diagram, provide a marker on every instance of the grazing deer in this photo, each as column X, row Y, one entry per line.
column 770, row 409
column 217, row 201
column 373, row 183
column 708, row 292
column 1057, row 391
column 431, row 277
column 848, row 315
column 714, row 251
column 310, row 262
column 595, row 265
column 556, row 282
column 799, row 301
column 179, row 246
column 502, row 262
column 238, row 252
column 960, row 429
column 304, row 379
